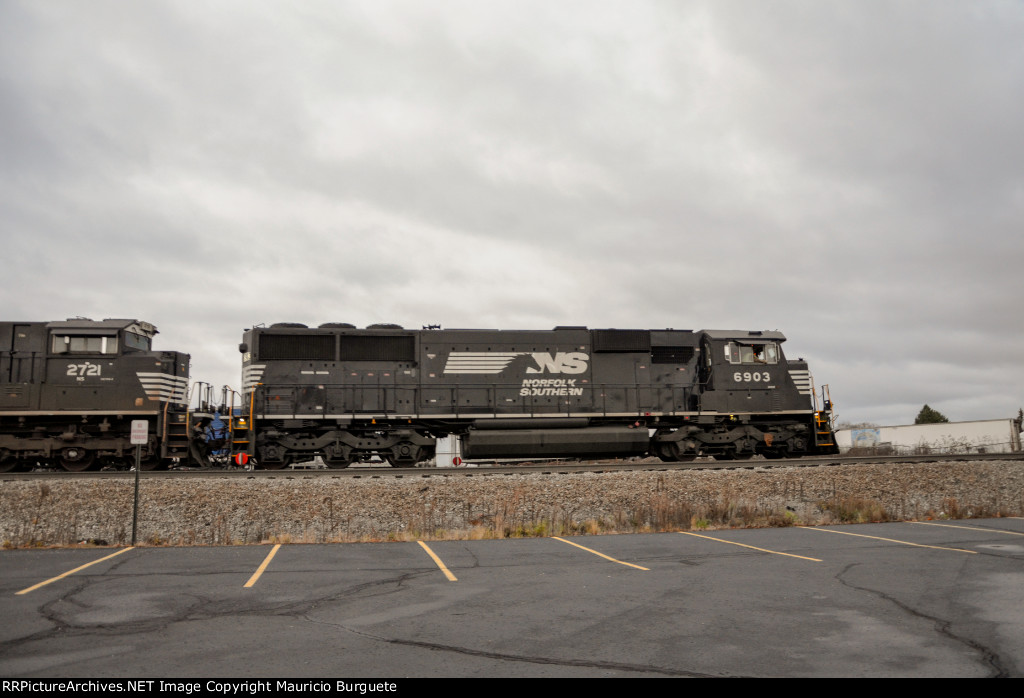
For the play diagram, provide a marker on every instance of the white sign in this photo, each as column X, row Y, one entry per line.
column 140, row 432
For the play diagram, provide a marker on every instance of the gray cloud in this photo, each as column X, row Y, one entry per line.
column 849, row 174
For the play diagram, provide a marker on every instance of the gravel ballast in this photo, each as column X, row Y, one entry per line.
column 299, row 507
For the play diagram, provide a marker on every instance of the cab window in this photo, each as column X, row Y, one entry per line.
column 70, row 344
column 764, row 353
column 136, row 341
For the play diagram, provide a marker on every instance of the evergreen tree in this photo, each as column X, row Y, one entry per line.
column 929, row 416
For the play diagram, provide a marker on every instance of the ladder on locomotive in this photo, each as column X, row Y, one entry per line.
column 237, row 423
column 823, row 432
column 177, row 424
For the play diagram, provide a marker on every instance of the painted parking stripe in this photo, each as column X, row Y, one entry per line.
column 70, row 572
column 263, row 566
column 627, row 564
column 889, row 540
column 437, row 561
column 968, row 528
column 744, row 545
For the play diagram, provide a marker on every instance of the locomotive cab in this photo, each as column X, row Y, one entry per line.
column 754, row 400
column 72, row 388
column 744, row 372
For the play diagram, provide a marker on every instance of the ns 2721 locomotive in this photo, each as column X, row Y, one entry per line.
column 70, row 390
column 348, row 394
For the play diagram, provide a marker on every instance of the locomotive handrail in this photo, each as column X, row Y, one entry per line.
column 164, row 426
column 32, row 357
column 671, row 399
column 202, row 393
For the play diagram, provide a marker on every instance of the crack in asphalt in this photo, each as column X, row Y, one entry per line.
column 646, row 669
column 203, row 608
column 943, row 626
column 476, row 560
column 200, row 609
column 525, row 658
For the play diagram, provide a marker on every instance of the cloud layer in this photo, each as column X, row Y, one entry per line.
column 850, row 174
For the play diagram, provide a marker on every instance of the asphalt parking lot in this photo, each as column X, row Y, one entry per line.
column 941, row 598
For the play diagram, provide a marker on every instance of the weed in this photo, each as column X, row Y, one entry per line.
column 855, row 510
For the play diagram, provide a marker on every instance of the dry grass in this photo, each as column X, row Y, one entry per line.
column 295, row 511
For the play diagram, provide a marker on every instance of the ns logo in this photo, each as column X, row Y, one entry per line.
column 571, row 362
column 494, row 362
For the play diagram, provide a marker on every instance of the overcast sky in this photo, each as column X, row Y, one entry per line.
column 850, row 173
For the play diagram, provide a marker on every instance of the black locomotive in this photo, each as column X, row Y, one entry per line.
column 69, row 392
column 348, row 394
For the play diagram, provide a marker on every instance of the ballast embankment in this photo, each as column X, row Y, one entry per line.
column 302, row 508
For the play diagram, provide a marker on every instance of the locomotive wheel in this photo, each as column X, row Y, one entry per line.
column 77, row 460
column 666, row 451
column 670, row 452
column 404, row 455
column 337, row 456
column 274, row 456
column 7, row 461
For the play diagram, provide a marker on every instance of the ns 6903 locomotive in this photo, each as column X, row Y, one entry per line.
column 347, row 394
column 69, row 392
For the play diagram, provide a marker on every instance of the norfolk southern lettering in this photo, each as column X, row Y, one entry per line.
column 536, row 387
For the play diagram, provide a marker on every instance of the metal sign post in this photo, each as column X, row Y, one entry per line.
column 140, row 435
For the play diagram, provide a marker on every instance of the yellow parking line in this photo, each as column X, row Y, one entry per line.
column 888, row 540
column 627, row 564
column 968, row 528
column 259, row 570
column 744, row 545
column 437, row 561
column 77, row 569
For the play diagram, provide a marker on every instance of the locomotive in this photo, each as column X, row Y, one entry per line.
column 70, row 390
column 347, row 394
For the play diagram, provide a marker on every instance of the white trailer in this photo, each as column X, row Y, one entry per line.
column 986, row 436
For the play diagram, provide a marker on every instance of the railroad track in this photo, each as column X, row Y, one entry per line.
column 376, row 471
